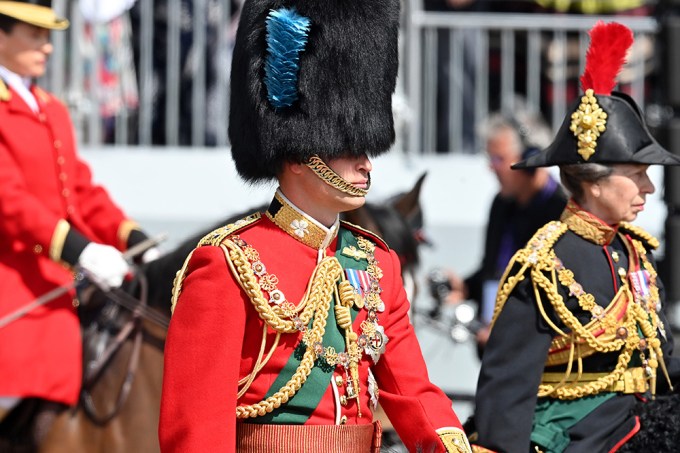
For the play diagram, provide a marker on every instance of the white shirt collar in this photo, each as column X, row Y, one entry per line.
column 21, row 85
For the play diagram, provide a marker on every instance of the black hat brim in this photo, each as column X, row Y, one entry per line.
column 626, row 139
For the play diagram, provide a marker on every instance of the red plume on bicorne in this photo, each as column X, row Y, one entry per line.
column 609, row 44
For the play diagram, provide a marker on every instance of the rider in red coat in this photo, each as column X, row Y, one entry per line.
column 289, row 326
column 52, row 218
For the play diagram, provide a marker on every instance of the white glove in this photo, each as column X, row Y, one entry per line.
column 104, row 265
column 151, row 255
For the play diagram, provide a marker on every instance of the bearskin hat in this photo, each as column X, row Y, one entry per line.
column 311, row 77
column 603, row 126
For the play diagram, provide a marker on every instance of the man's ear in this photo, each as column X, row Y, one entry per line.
column 294, row 167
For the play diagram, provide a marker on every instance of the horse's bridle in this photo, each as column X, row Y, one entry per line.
column 132, row 328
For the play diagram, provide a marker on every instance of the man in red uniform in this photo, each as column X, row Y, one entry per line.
column 52, row 218
column 290, row 326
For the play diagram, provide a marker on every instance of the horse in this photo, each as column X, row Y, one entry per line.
column 123, row 349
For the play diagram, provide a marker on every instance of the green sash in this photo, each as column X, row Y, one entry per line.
column 553, row 418
column 300, row 407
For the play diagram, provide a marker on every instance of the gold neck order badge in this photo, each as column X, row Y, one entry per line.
column 333, row 179
column 587, row 123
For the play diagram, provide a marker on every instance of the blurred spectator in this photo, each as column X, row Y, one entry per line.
column 617, row 7
column 567, row 55
column 109, row 64
column 525, row 201
column 190, row 55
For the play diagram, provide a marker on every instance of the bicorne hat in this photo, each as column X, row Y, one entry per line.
column 603, row 126
column 312, row 77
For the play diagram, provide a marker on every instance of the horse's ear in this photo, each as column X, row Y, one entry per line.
column 409, row 203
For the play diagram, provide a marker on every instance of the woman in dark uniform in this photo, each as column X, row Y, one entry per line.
column 579, row 333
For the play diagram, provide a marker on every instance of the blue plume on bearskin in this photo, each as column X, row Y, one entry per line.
column 286, row 38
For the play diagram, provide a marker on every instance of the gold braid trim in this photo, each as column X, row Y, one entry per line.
column 534, row 253
column 363, row 231
column 641, row 234
column 454, row 440
column 321, row 285
column 58, row 238
column 539, row 258
column 317, row 300
column 178, row 281
column 215, row 237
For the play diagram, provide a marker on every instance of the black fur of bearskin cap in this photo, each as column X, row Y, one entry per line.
column 346, row 79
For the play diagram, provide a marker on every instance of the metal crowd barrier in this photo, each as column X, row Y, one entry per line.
column 178, row 53
column 166, row 80
column 543, row 48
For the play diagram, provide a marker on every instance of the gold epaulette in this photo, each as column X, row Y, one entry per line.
column 5, row 94
column 218, row 235
column 640, row 234
column 536, row 254
column 368, row 233
column 215, row 238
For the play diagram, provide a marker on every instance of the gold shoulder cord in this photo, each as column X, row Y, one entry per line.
column 534, row 254
column 322, row 286
column 539, row 257
column 215, row 237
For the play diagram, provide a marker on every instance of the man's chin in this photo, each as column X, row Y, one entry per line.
column 351, row 203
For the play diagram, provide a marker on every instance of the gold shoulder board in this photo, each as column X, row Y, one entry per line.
column 641, row 234
column 214, row 238
column 5, row 94
column 218, row 235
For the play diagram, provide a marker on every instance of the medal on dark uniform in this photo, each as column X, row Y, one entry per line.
column 640, row 282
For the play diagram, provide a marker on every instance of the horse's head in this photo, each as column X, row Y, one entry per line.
column 399, row 221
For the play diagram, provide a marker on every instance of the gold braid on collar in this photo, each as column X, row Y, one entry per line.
column 298, row 225
column 333, row 179
column 585, row 225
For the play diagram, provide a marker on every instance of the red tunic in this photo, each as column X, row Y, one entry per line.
column 215, row 336
column 42, row 181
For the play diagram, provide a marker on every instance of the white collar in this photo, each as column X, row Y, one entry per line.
column 22, row 86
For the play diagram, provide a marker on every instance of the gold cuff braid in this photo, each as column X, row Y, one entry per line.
column 58, row 239
column 454, row 440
